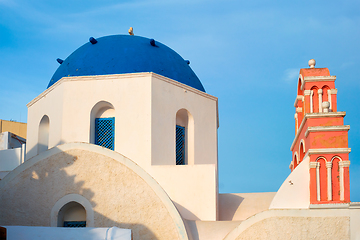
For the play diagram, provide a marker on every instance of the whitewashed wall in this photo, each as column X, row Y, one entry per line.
column 144, row 106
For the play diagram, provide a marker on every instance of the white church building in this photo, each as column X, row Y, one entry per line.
column 125, row 135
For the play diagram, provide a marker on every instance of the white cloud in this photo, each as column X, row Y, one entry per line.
column 291, row 75
column 346, row 65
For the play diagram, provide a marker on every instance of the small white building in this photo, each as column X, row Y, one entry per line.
column 12, row 152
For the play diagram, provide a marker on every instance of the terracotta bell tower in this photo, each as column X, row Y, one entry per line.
column 321, row 136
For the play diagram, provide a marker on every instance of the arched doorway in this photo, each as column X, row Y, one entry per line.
column 72, row 214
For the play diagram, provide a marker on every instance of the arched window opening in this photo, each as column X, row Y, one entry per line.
column 321, row 179
column 295, row 161
column 72, row 215
column 102, row 126
column 43, row 138
column 302, row 152
column 335, row 177
column 314, row 104
column 184, row 134
column 325, row 95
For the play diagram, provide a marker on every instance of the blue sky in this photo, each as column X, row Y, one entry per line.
column 246, row 53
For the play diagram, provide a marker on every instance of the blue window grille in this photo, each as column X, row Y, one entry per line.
column 180, row 145
column 105, row 132
column 74, row 224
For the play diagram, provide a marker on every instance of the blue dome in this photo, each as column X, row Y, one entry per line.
column 119, row 54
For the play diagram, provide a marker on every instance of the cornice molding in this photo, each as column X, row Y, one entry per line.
column 314, row 115
column 327, row 129
column 330, row 206
column 319, row 78
column 327, row 151
column 184, row 86
column 325, row 115
column 316, row 79
column 354, row 205
column 119, row 76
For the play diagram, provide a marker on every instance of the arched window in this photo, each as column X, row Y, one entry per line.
column 321, row 179
column 326, row 95
column 102, row 125
column 184, row 132
column 335, row 179
column 302, row 151
column 72, row 214
column 314, row 100
column 295, row 160
column 43, row 138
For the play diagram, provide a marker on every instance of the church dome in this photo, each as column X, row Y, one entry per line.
column 119, row 54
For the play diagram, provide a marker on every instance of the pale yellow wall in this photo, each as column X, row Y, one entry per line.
column 18, row 128
column 167, row 99
column 48, row 103
column 192, row 188
column 295, row 190
column 199, row 177
column 69, row 102
column 240, row 206
column 145, row 106
column 355, row 220
column 118, row 195
column 211, row 230
column 326, row 223
column 298, row 228
column 130, row 98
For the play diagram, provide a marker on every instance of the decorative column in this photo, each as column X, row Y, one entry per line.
column 311, row 101
column 320, row 100
column 313, row 182
column 329, row 192
column 307, row 101
column 341, row 170
column 333, row 100
column 318, row 181
column 342, row 165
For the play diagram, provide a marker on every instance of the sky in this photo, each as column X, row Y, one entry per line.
column 246, row 53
